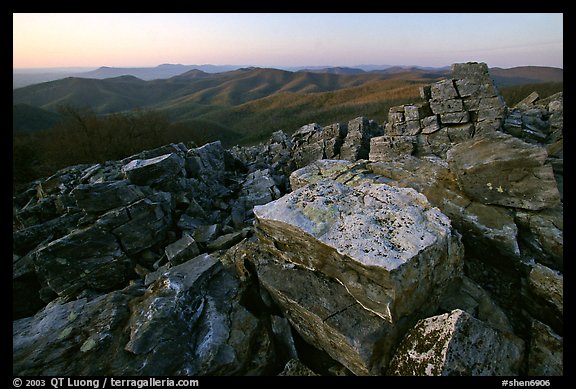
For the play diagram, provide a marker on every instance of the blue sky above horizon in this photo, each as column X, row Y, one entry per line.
column 274, row 40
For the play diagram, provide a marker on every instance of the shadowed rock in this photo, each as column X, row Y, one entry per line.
column 106, row 195
column 296, row 368
column 88, row 258
column 188, row 322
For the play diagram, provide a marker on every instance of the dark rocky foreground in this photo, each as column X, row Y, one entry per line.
column 432, row 245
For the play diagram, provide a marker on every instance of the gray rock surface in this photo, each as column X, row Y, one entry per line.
column 86, row 258
column 479, row 223
column 543, row 232
column 182, row 250
column 468, row 296
column 548, row 285
column 28, row 238
column 104, row 196
column 357, row 142
column 283, row 333
column 296, row 368
column 389, row 148
column 454, row 111
column 309, row 143
column 80, row 337
column 148, row 220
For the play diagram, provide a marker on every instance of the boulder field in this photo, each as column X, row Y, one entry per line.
column 431, row 244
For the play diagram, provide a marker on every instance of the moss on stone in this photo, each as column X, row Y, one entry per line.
column 322, row 218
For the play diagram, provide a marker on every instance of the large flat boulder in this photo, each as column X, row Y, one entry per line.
column 481, row 225
column 388, row 246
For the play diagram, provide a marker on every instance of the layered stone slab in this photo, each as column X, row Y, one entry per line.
column 388, row 246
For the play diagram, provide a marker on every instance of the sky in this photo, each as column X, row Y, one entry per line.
column 283, row 39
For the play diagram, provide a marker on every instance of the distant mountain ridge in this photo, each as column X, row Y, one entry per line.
column 511, row 76
column 22, row 78
column 334, row 70
column 153, row 73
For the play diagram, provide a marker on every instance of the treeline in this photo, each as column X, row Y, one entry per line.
column 82, row 136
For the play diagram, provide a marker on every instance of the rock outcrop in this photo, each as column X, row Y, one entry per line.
column 349, row 141
column 454, row 110
column 428, row 245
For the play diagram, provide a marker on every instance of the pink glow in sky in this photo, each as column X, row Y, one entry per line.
column 130, row 40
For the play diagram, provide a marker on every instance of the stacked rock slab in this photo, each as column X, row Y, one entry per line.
column 541, row 121
column 357, row 142
column 350, row 141
column 454, row 110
